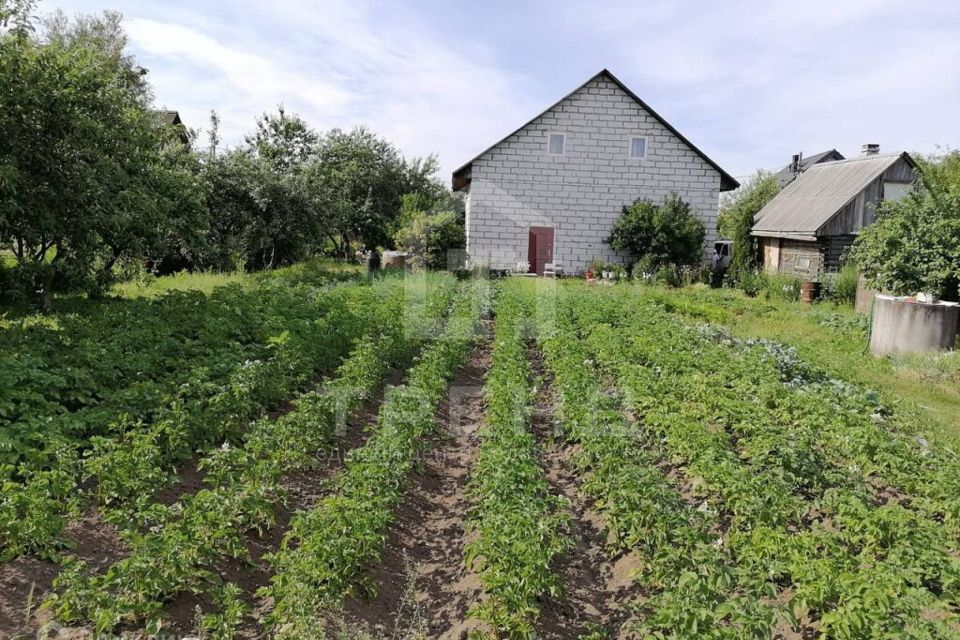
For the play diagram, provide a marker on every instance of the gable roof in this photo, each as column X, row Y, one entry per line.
column 727, row 182
column 819, row 193
column 786, row 175
column 171, row 118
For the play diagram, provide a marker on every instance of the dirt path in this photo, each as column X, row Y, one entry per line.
column 425, row 589
column 595, row 586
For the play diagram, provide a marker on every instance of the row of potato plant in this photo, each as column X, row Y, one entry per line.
column 128, row 494
column 883, row 445
column 183, row 541
column 837, row 545
column 327, row 547
column 516, row 525
column 134, row 460
column 690, row 579
column 65, row 378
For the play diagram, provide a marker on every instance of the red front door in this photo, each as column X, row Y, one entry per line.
column 540, row 250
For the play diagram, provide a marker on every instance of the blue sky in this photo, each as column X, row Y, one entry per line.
column 749, row 82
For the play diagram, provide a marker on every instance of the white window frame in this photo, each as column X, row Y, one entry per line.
column 550, row 135
column 646, row 148
column 802, row 263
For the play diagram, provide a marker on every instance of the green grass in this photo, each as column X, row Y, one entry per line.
column 834, row 338
column 205, row 281
column 208, row 281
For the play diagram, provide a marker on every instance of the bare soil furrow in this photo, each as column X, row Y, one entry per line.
column 422, row 586
column 596, row 586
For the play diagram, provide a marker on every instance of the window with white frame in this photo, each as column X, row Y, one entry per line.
column 557, row 144
column 638, row 147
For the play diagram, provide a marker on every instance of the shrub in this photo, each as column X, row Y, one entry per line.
column 665, row 234
column 667, row 275
column 914, row 245
column 772, row 286
column 750, row 282
column 841, row 286
column 429, row 238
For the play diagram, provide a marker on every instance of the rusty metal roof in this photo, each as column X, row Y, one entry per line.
column 819, row 193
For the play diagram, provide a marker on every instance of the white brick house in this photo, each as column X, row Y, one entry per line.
column 551, row 190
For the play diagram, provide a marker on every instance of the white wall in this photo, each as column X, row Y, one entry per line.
column 517, row 184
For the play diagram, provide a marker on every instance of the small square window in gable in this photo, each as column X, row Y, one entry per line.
column 638, row 147
column 557, row 144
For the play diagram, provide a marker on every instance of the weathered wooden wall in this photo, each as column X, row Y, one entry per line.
column 793, row 255
column 834, row 248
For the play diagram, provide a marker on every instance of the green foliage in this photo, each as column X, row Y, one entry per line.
column 841, row 287
column 358, row 178
column 598, row 266
column 781, row 286
column 430, row 237
column 327, row 547
column 771, row 447
column 771, row 286
column 737, row 216
column 129, row 410
column 261, row 213
column 518, row 523
column 664, row 234
column 93, row 184
column 914, row 245
column 244, row 482
column 87, row 175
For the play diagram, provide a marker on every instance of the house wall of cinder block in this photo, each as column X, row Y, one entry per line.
column 518, row 184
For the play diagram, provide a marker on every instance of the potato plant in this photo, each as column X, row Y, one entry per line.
column 327, row 546
column 516, row 522
column 816, row 528
column 183, row 541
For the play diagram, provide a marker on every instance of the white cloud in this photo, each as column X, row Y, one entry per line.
column 749, row 82
column 337, row 66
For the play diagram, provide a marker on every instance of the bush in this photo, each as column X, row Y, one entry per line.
column 667, row 276
column 430, row 237
column 659, row 235
column 771, row 286
column 914, row 245
column 841, row 286
column 781, row 286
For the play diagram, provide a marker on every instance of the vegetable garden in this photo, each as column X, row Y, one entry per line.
column 253, row 463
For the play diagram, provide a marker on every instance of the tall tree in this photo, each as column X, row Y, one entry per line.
column 362, row 177
column 737, row 216
column 87, row 175
column 286, row 142
column 262, row 211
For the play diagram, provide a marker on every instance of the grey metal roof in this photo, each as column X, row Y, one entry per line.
column 727, row 182
column 819, row 193
column 786, row 175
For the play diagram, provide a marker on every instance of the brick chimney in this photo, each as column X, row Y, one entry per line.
column 869, row 149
